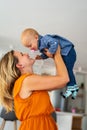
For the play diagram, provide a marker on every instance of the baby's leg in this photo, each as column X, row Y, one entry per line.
column 72, row 87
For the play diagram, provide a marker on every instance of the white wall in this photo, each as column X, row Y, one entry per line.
column 67, row 18
column 86, row 94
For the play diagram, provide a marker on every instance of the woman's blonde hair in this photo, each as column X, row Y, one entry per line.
column 8, row 74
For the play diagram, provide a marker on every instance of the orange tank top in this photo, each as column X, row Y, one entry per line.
column 34, row 111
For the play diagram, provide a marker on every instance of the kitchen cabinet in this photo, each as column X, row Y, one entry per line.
column 69, row 121
column 77, row 123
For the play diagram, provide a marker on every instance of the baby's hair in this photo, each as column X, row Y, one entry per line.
column 29, row 31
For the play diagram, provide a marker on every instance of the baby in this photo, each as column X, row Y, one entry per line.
column 47, row 45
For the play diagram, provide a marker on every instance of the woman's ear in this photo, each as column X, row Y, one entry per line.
column 19, row 66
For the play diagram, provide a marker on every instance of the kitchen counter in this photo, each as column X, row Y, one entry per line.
column 69, row 113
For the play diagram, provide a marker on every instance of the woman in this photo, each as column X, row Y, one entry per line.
column 29, row 91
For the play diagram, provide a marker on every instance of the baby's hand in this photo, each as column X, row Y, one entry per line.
column 38, row 57
column 46, row 51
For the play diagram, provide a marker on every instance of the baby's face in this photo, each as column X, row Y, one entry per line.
column 30, row 42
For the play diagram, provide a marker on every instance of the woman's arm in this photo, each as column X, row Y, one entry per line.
column 38, row 82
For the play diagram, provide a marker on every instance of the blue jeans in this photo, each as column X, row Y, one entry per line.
column 69, row 61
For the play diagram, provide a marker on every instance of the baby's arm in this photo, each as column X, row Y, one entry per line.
column 52, row 45
column 45, row 55
column 42, row 56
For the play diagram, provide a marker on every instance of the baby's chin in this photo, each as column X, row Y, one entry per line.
column 32, row 50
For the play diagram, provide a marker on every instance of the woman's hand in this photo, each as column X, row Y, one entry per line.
column 46, row 51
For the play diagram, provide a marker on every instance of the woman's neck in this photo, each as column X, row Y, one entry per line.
column 29, row 70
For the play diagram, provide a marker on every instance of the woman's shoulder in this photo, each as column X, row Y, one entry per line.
column 18, row 83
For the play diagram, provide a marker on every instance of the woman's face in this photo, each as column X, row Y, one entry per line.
column 24, row 59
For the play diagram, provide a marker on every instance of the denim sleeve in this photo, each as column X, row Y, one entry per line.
column 52, row 44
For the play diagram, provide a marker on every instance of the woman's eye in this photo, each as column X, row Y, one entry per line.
column 21, row 53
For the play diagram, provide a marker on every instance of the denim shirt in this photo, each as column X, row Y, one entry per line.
column 51, row 42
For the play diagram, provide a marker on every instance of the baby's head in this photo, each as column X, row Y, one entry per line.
column 29, row 39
